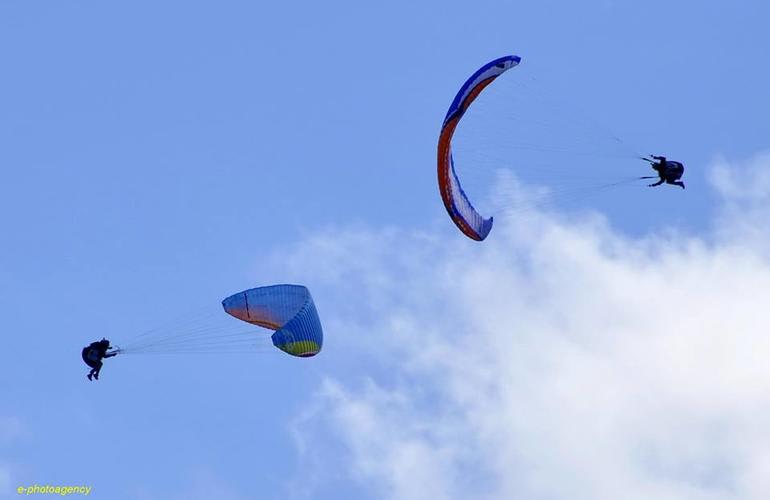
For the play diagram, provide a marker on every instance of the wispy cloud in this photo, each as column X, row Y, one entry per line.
column 559, row 359
column 745, row 190
column 11, row 428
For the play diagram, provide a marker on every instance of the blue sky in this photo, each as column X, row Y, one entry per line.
column 159, row 157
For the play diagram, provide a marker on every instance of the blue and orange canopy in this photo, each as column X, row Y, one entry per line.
column 460, row 209
column 287, row 309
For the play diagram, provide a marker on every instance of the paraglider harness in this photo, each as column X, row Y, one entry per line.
column 94, row 353
column 668, row 171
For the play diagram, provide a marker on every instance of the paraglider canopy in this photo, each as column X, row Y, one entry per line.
column 457, row 204
column 287, row 309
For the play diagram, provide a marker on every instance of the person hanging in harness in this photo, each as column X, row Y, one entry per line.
column 669, row 171
column 93, row 355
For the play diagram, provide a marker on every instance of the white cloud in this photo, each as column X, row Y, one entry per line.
column 11, row 428
column 5, row 479
column 557, row 360
column 745, row 191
